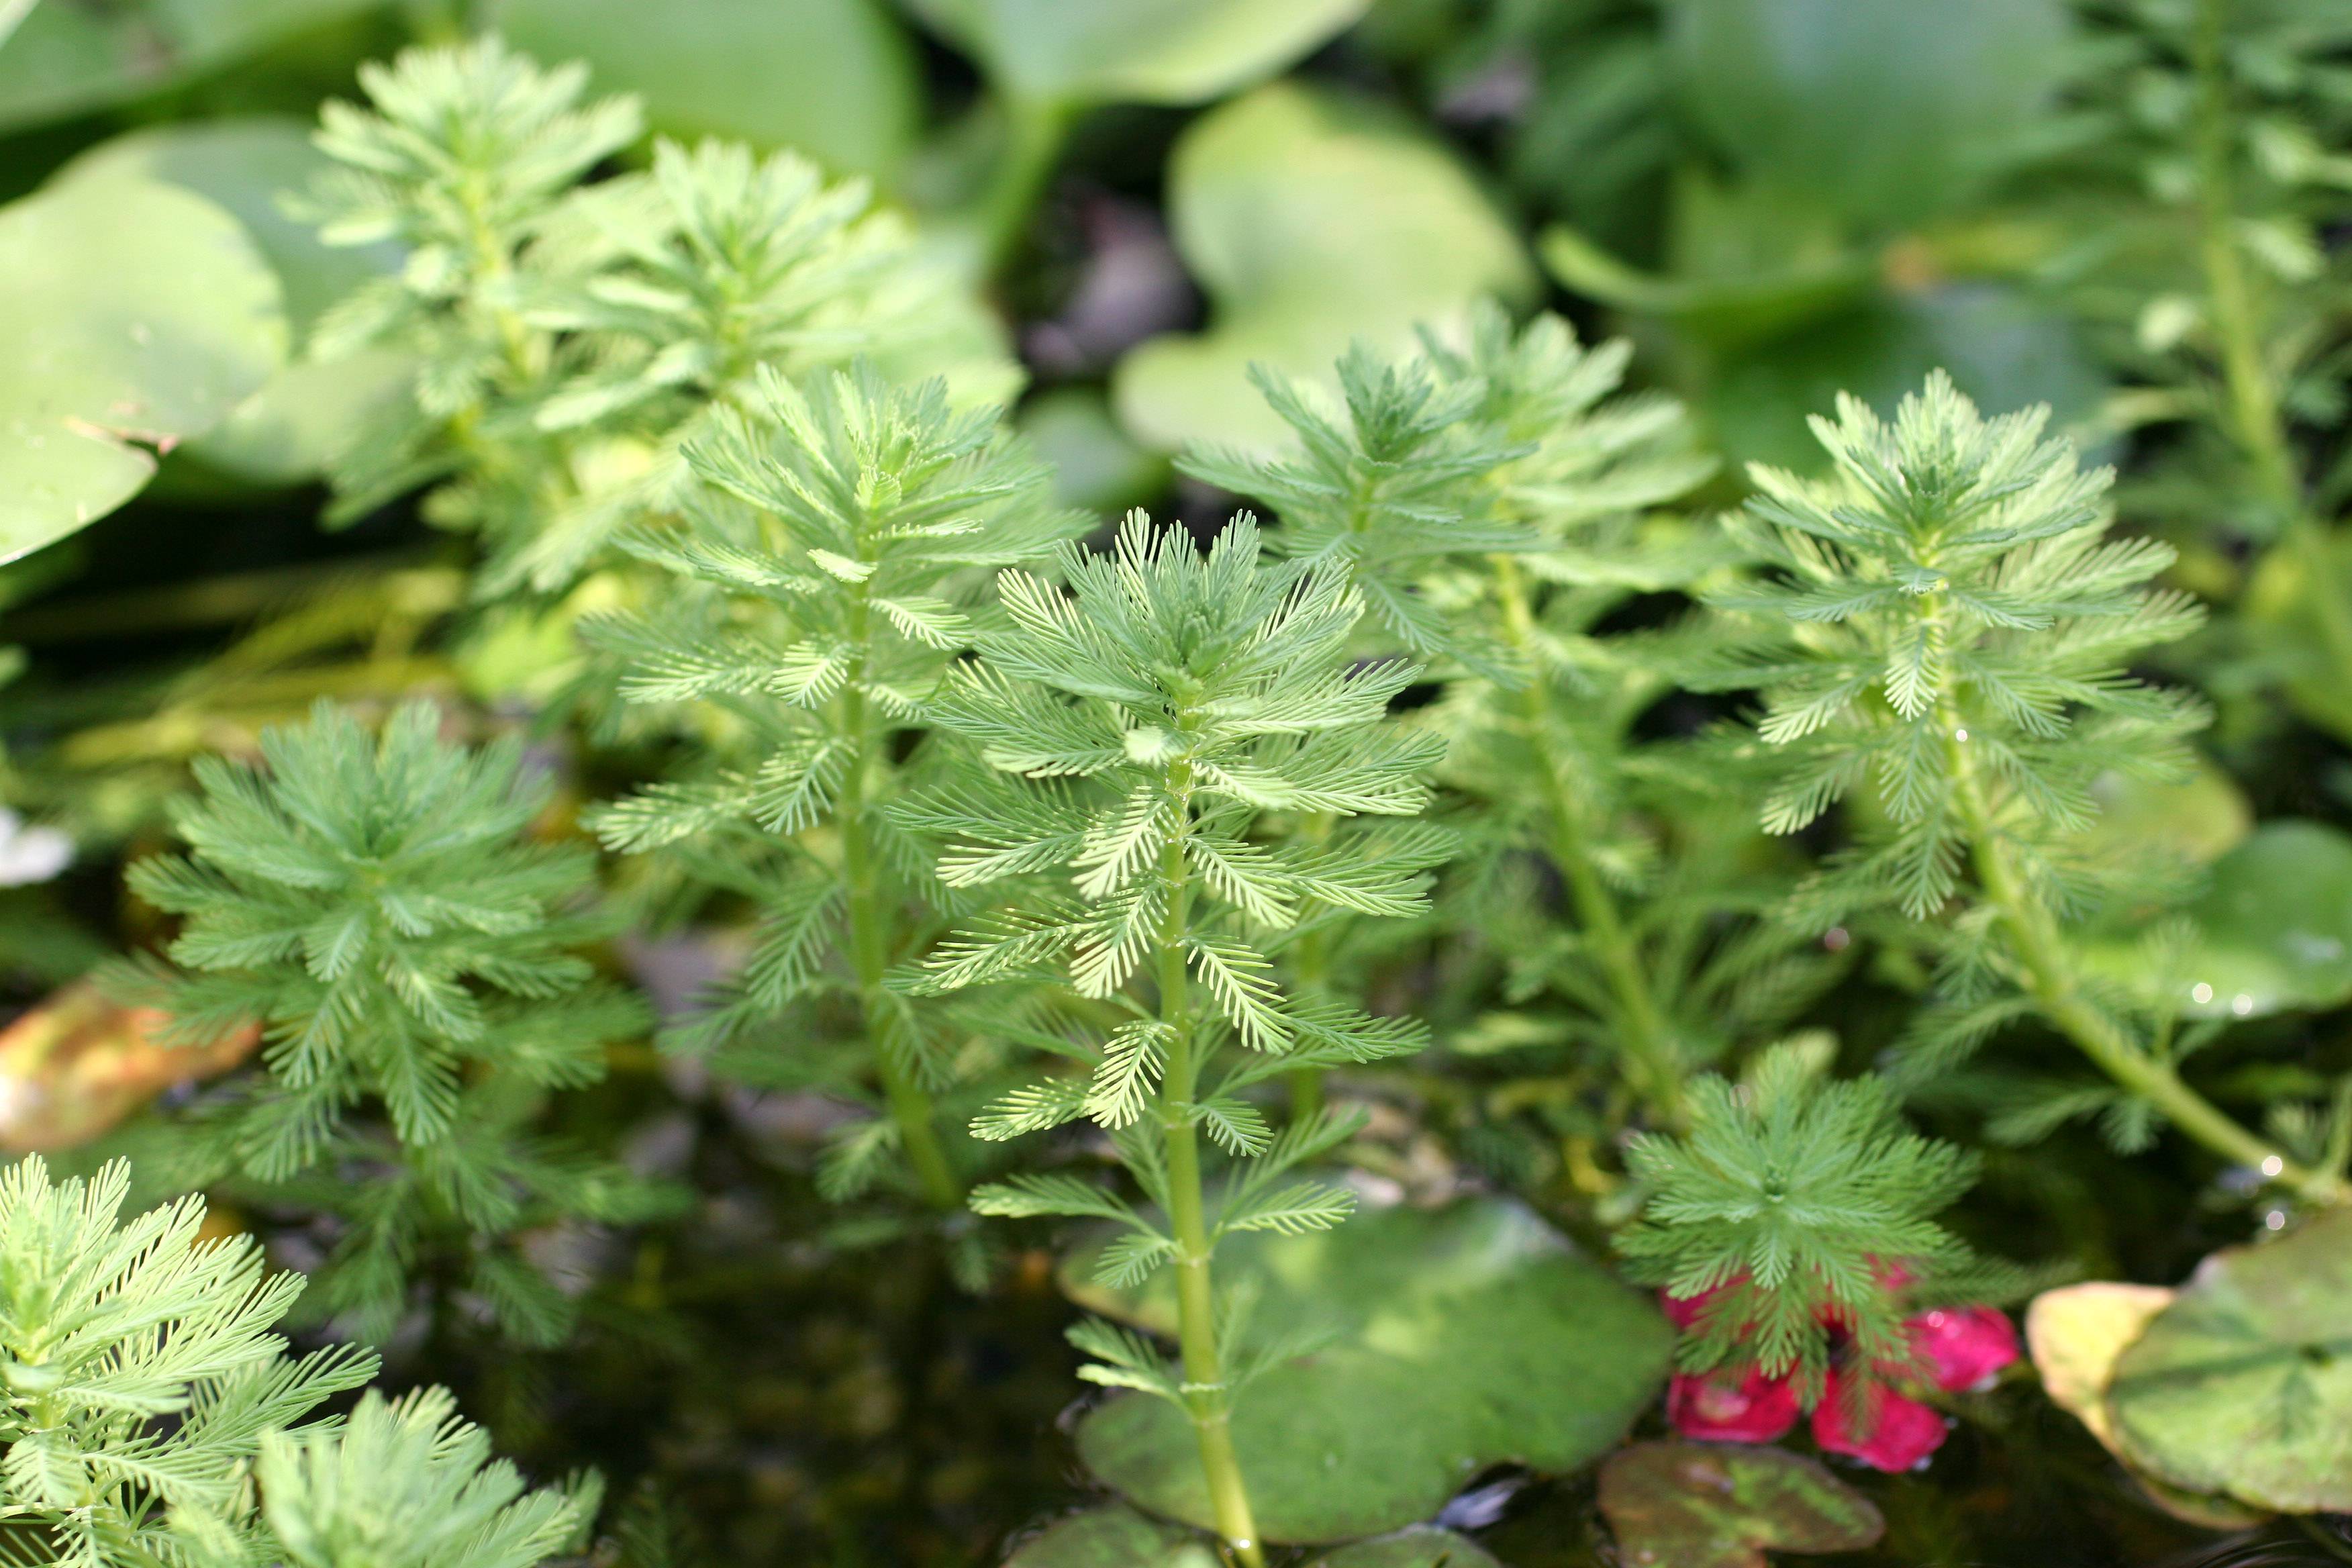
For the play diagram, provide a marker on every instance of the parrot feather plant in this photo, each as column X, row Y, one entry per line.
column 1146, row 721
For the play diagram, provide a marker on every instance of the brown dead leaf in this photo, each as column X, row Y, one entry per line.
column 79, row 1063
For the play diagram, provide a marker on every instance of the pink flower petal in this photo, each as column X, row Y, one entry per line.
column 1753, row 1408
column 1964, row 1347
column 1898, row 1433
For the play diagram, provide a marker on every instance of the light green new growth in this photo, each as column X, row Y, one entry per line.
column 375, row 905
column 140, row 1372
column 1951, row 630
column 1788, row 1198
column 1161, row 707
column 844, row 530
column 407, row 1483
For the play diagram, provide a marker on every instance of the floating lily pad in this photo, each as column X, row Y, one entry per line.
column 2243, row 1385
column 1715, row 1505
column 1138, row 51
column 2076, row 1334
column 1114, row 1537
column 1468, row 1336
column 286, row 432
column 2271, row 931
column 1420, row 1547
column 834, row 78
column 1310, row 218
column 136, row 316
column 2200, row 818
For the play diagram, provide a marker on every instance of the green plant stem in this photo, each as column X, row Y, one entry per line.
column 1641, row 1029
column 870, row 943
column 2040, row 953
column 1205, row 1395
column 1035, row 133
column 2255, row 422
column 1310, row 971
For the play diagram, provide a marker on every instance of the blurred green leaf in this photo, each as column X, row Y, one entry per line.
column 1138, row 51
column 1310, row 219
column 2275, row 923
column 1881, row 110
column 1467, row 1336
column 2243, row 1385
column 1420, row 1547
column 136, row 316
column 286, row 432
column 1095, row 466
column 834, row 78
column 1113, row 1537
column 69, row 57
column 2200, row 818
column 1715, row 1505
column 1724, row 313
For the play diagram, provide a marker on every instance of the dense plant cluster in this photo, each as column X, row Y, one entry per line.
column 776, row 855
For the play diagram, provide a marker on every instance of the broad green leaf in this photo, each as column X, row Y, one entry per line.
column 2200, row 818
column 2274, row 925
column 1725, row 314
column 2076, row 1334
column 1468, row 1336
column 2243, row 1385
column 834, row 78
column 1881, row 110
column 136, row 316
column 286, row 432
column 67, row 59
column 2286, row 613
column 1113, row 1537
column 1138, row 51
column 2002, row 349
column 1420, row 1547
column 1095, row 466
column 1310, row 218
column 1718, row 1505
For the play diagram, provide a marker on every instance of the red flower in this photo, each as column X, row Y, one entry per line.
column 1755, row 1409
column 1963, row 1347
column 1895, row 1433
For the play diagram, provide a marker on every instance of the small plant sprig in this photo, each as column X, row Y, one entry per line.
column 1797, row 1208
column 405, row 1483
column 374, row 905
column 1949, row 630
column 570, row 337
column 141, row 1373
column 1160, row 709
column 845, row 532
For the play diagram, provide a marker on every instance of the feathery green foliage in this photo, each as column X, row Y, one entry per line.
column 408, row 1483
column 570, row 337
column 376, row 907
column 140, row 1371
column 1949, row 631
column 1786, row 1206
column 1160, row 708
column 840, row 539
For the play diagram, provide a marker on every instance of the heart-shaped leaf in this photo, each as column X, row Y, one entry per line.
column 1310, row 219
column 1881, row 110
column 2076, row 1334
column 834, row 78
column 1138, row 51
column 286, row 432
column 1113, row 1537
column 2243, row 1385
column 1715, row 1505
column 1467, row 1336
column 136, row 315
column 1420, row 1547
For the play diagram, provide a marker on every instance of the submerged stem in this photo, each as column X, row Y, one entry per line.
column 2040, row 952
column 1206, row 1399
column 1640, row 1025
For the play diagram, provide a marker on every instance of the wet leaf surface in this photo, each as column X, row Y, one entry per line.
column 1713, row 1505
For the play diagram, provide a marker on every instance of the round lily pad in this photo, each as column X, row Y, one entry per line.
column 136, row 315
column 2243, row 1385
column 1420, row 1547
column 1113, row 1537
column 1466, row 1336
column 1718, row 1505
column 2076, row 1334
column 1310, row 218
